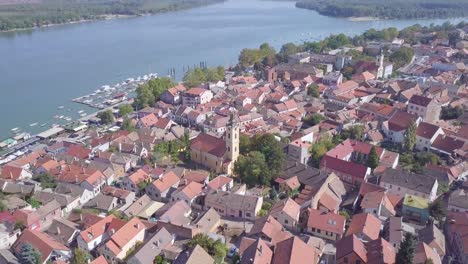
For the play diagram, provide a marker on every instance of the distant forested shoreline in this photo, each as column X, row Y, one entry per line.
column 390, row 9
column 39, row 13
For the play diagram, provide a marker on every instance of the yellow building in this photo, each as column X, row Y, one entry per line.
column 217, row 154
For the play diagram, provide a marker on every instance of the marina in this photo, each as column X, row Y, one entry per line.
column 111, row 95
column 106, row 97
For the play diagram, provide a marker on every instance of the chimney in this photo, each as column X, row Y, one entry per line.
column 58, row 230
column 120, row 147
column 260, row 249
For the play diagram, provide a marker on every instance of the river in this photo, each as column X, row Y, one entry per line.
column 45, row 68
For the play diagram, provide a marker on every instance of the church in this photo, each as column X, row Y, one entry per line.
column 217, row 154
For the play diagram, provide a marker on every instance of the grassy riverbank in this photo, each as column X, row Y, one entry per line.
column 395, row 9
column 15, row 14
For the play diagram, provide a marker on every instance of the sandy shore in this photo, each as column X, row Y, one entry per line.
column 360, row 19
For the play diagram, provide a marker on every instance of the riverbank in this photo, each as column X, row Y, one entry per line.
column 363, row 19
column 14, row 18
column 104, row 17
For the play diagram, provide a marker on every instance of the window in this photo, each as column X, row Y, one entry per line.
column 286, row 221
column 390, row 186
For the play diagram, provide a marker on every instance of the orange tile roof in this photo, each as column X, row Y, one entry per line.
column 123, row 236
column 330, row 222
column 139, row 176
column 366, row 224
column 166, row 181
column 219, row 182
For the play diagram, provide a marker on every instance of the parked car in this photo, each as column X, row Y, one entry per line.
column 232, row 252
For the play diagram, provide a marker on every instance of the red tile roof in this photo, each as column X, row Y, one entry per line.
column 329, row 222
column 124, row 235
column 218, row 182
column 166, row 181
column 356, row 170
column 401, row 121
column 350, row 244
column 420, row 100
column 294, row 251
column 209, row 144
column 11, row 172
column 366, row 224
column 447, row 144
column 40, row 241
column 78, row 151
column 426, row 130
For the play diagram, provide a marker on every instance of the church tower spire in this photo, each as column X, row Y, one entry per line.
column 232, row 139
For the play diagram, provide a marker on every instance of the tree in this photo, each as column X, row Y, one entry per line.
column 449, row 112
column 401, row 57
column 34, row 202
column 373, row 159
column 244, row 144
column 107, row 117
column 3, row 207
column 249, row 57
column 252, row 169
column 46, row 180
column 270, row 147
column 80, row 256
column 196, row 76
column 287, row 50
column 313, row 90
column 214, row 248
column 29, row 255
column 437, row 210
column 125, row 109
column 406, row 252
column 410, row 137
column 127, row 125
column 144, row 98
column 313, row 119
column 160, row 260
column 19, row 225
column 319, row 149
column 354, row 132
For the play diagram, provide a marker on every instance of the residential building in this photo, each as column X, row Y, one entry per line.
column 123, row 240
column 287, row 213
column 426, row 134
column 162, row 188
column 196, row 96
column 330, row 226
column 401, row 182
column 365, row 226
column 50, row 249
column 234, row 205
column 426, row 108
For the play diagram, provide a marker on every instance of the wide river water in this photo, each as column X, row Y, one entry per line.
column 45, row 68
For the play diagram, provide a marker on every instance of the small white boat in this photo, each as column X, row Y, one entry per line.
column 33, row 124
column 61, row 117
column 15, row 129
column 83, row 114
column 43, row 124
column 81, row 111
column 61, row 107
